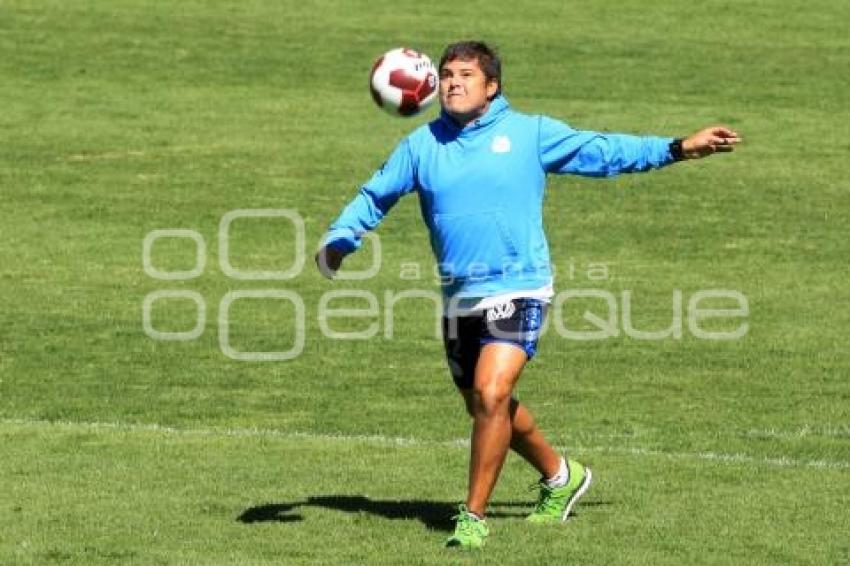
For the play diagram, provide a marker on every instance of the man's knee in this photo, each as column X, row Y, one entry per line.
column 490, row 398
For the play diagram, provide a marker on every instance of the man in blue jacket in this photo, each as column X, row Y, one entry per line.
column 479, row 171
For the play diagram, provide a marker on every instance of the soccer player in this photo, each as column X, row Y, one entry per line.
column 479, row 171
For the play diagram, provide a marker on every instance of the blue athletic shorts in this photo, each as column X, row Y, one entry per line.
column 516, row 322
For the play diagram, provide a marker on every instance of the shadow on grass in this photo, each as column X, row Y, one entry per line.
column 435, row 515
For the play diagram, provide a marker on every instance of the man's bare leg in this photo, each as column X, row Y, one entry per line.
column 500, row 422
column 528, row 441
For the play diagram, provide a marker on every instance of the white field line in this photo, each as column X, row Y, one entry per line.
column 733, row 458
column 782, row 462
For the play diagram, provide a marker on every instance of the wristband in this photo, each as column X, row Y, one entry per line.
column 676, row 150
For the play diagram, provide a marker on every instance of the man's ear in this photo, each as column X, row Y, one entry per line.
column 492, row 88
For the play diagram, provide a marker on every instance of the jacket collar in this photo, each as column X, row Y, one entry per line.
column 498, row 107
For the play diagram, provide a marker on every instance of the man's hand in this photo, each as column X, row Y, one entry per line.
column 329, row 260
column 708, row 141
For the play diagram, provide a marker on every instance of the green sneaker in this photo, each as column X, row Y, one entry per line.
column 469, row 531
column 554, row 504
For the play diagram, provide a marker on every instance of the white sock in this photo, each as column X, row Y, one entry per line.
column 474, row 515
column 561, row 478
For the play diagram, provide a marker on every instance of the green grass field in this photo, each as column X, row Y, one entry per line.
column 119, row 118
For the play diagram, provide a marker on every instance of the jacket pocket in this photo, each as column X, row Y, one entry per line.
column 475, row 244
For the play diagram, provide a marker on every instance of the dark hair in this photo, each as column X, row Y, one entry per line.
column 486, row 56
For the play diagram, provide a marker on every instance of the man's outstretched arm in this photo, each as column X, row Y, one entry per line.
column 394, row 179
column 597, row 154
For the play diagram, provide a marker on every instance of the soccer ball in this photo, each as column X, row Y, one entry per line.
column 403, row 82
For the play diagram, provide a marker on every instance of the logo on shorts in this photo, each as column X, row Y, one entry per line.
column 501, row 312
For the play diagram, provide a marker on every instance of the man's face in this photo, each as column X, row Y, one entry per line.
column 465, row 91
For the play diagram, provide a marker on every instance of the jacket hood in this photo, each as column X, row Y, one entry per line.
column 498, row 106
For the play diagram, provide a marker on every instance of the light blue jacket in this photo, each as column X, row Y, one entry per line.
column 481, row 189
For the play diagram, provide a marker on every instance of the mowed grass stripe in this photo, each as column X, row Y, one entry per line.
column 84, row 493
column 388, row 441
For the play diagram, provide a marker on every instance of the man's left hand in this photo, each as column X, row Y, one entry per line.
column 709, row 140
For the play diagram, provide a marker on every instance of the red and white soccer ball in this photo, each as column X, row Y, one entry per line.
column 403, row 82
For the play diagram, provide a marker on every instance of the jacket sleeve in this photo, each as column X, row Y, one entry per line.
column 395, row 178
column 594, row 154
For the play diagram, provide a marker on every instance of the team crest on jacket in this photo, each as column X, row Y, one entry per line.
column 501, row 144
